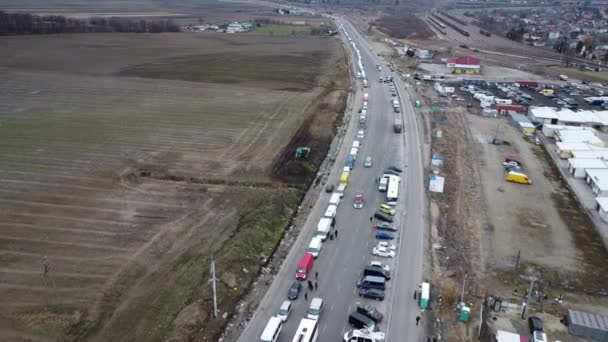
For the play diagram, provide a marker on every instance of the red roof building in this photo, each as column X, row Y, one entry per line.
column 464, row 65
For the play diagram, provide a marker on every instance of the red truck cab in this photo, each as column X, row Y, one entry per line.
column 304, row 266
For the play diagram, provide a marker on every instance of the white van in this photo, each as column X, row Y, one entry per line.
column 331, row 211
column 323, row 228
column 334, row 199
column 315, row 245
column 383, row 184
column 356, row 144
column 315, row 309
column 272, row 331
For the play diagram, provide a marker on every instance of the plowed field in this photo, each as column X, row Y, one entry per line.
column 126, row 160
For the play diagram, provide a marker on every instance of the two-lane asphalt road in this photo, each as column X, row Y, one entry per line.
column 341, row 260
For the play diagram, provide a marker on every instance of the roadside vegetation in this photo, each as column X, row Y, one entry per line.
column 25, row 23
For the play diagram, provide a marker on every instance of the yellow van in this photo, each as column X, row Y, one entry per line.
column 344, row 177
column 517, row 177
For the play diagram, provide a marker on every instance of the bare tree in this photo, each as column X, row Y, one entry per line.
column 567, row 56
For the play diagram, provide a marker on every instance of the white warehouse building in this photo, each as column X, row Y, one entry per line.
column 578, row 167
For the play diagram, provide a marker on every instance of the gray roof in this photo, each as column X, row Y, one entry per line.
column 588, row 324
column 588, row 319
column 519, row 117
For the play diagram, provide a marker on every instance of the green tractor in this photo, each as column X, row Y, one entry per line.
column 302, row 152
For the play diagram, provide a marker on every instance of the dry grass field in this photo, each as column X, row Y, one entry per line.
column 126, row 160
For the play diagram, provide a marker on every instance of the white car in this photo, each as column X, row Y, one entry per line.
column 360, row 134
column 380, row 264
column 284, row 311
column 385, row 244
column 368, row 162
column 383, row 252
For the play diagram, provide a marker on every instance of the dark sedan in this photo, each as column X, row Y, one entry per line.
column 372, row 294
column 382, row 235
column 394, row 168
column 370, row 312
column 382, row 217
column 385, row 226
column 294, row 290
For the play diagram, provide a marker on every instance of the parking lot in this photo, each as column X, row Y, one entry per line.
column 571, row 96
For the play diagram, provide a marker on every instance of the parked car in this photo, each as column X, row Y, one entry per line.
column 535, row 324
column 360, row 134
column 385, row 208
column 391, row 172
column 384, row 244
column 513, row 168
column 358, row 202
column 294, row 290
column 380, row 264
column 284, row 311
column 394, row 168
column 382, row 217
column 329, row 188
column 385, row 226
column 383, row 252
column 370, row 312
column 512, row 161
column 372, row 294
column 382, row 235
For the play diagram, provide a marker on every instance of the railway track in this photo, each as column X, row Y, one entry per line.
column 501, row 44
column 436, row 25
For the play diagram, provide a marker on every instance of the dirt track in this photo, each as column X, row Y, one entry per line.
column 81, row 151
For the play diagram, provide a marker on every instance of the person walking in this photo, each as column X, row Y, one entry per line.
column 417, row 320
column 316, row 275
column 310, row 285
column 316, row 286
column 371, row 218
column 336, row 233
column 306, row 299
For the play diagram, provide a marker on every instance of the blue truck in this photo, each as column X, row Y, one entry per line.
column 350, row 161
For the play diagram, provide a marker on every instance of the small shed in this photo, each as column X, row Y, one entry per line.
column 592, row 154
column 544, row 115
column 601, row 205
column 522, row 123
column 577, row 166
column 588, row 325
column 598, row 180
column 569, row 118
column 564, row 150
column 583, row 135
column 549, row 130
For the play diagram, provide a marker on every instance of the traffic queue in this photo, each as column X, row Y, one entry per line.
column 364, row 318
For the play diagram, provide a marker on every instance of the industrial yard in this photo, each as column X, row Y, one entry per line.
column 127, row 160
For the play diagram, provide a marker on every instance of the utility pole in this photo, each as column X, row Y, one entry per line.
column 524, row 311
column 212, row 280
column 464, row 281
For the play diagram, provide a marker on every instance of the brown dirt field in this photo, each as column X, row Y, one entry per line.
column 404, row 25
column 128, row 184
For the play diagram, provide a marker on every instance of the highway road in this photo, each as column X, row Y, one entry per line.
column 341, row 260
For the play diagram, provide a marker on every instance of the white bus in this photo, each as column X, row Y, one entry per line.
column 307, row 331
column 392, row 193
